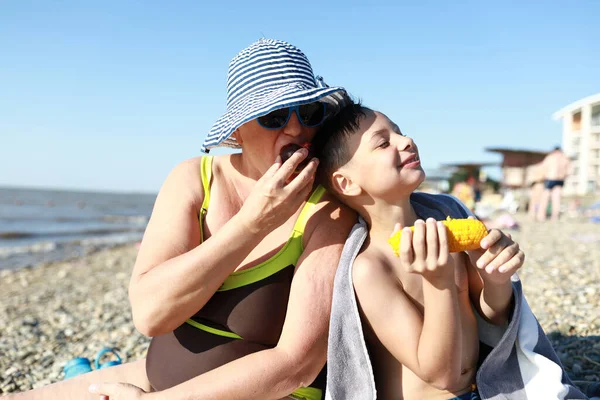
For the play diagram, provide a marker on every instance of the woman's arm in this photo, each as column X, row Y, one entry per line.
column 302, row 348
column 174, row 276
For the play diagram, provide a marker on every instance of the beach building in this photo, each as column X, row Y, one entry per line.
column 581, row 142
column 518, row 166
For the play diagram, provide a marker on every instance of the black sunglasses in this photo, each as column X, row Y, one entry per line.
column 309, row 115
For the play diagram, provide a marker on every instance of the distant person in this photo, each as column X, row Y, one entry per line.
column 474, row 183
column 536, row 190
column 465, row 193
column 555, row 167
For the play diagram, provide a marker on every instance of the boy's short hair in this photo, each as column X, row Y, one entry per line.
column 330, row 143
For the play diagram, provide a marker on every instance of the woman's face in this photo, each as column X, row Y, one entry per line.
column 264, row 145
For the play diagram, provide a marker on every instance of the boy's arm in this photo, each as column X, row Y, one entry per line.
column 491, row 300
column 490, row 270
column 429, row 346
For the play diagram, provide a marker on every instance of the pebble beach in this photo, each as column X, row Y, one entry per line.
column 51, row 313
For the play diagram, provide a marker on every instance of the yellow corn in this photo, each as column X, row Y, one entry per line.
column 463, row 235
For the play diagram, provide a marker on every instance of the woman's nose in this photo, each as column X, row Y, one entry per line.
column 293, row 126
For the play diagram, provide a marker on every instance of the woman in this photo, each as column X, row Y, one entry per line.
column 235, row 272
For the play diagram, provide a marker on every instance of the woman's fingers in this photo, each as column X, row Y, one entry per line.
column 273, row 168
column 306, row 177
column 287, row 168
column 117, row 391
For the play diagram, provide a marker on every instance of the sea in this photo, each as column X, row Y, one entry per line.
column 41, row 226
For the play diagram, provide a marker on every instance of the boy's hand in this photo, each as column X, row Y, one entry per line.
column 425, row 251
column 499, row 257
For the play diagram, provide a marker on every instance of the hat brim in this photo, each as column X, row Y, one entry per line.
column 260, row 104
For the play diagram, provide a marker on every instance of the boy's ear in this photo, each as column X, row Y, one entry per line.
column 344, row 185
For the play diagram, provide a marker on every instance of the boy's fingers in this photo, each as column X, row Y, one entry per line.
column 491, row 238
column 512, row 265
column 495, row 256
column 433, row 246
column 506, row 255
column 475, row 255
column 489, row 269
column 443, row 238
column 508, row 267
column 489, row 256
column 406, row 253
column 418, row 242
column 493, row 243
column 397, row 227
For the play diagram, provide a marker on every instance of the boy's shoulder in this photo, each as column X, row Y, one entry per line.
column 370, row 265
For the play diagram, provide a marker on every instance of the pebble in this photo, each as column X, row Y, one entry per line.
column 52, row 313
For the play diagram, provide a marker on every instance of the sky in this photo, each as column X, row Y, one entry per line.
column 112, row 95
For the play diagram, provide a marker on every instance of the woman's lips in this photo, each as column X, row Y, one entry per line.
column 289, row 149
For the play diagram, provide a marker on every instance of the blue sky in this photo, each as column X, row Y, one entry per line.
column 112, row 95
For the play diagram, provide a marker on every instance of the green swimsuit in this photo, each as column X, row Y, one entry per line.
column 245, row 315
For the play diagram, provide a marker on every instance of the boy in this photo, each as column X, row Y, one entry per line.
column 418, row 309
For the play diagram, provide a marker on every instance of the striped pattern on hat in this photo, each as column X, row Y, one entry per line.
column 268, row 75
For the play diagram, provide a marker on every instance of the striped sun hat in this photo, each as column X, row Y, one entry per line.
column 268, row 75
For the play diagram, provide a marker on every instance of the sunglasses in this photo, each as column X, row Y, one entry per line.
column 309, row 115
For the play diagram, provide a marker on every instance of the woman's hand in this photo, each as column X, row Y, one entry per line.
column 118, row 391
column 272, row 201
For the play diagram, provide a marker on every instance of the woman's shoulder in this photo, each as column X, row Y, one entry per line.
column 185, row 180
column 185, row 171
column 186, row 177
column 329, row 206
column 330, row 215
column 190, row 169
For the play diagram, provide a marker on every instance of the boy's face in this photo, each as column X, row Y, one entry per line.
column 384, row 162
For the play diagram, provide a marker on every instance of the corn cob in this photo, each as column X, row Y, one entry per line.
column 463, row 235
